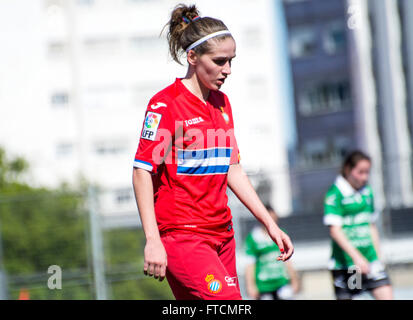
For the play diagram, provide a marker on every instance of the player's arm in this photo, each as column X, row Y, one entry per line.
column 251, row 286
column 295, row 282
column 376, row 239
column 373, row 225
column 155, row 259
column 341, row 239
column 242, row 188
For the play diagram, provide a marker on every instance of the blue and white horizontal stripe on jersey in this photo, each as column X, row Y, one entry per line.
column 204, row 161
column 142, row 164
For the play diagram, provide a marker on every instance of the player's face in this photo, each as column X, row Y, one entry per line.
column 359, row 175
column 214, row 66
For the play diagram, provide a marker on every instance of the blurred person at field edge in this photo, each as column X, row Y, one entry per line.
column 186, row 158
column 267, row 278
column 349, row 212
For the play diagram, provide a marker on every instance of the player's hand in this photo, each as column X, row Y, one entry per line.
column 252, row 292
column 283, row 241
column 155, row 262
column 362, row 264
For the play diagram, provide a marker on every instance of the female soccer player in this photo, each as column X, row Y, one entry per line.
column 349, row 213
column 187, row 155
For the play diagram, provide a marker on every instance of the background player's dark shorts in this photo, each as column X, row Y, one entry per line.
column 283, row 293
column 346, row 287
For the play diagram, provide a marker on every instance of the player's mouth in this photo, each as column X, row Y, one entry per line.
column 221, row 81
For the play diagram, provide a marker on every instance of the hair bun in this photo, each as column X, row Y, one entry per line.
column 182, row 33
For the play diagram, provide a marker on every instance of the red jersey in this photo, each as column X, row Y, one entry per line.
column 188, row 146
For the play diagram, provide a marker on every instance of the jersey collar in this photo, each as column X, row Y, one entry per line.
column 344, row 186
column 188, row 94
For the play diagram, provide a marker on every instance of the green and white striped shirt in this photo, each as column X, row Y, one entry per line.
column 353, row 210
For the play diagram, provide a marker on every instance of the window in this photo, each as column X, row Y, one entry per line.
column 341, row 145
column 60, row 99
column 85, row 2
column 146, row 44
column 258, row 87
column 314, row 152
column 53, row 3
column 111, row 95
column 292, row 1
column 324, row 151
column 253, row 38
column 302, row 42
column 141, row 92
column 57, row 49
column 123, row 196
column 335, row 38
column 138, row 1
column 64, row 149
column 107, row 148
column 325, row 97
column 102, row 46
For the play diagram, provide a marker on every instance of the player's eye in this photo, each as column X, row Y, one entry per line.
column 220, row 62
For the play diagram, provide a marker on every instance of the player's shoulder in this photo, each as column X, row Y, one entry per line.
column 164, row 98
column 367, row 191
column 333, row 196
column 333, row 190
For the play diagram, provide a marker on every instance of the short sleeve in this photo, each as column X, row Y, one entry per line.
column 235, row 155
column 333, row 214
column 156, row 136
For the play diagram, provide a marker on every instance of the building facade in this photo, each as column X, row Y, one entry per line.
column 323, row 106
column 79, row 75
column 351, row 70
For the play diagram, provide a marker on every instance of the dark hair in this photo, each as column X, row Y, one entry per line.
column 351, row 160
column 183, row 30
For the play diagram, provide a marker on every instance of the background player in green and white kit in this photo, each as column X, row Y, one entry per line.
column 267, row 278
column 349, row 212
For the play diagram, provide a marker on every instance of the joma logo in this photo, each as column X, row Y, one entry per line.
column 193, row 121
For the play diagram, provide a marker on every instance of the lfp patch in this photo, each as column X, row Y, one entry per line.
column 150, row 127
column 214, row 285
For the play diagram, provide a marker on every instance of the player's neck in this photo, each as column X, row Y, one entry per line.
column 193, row 84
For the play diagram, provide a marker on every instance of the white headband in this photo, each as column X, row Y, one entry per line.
column 207, row 37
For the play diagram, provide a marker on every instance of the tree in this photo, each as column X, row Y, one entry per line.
column 41, row 227
column 124, row 266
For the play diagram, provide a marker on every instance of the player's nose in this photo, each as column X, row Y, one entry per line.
column 226, row 70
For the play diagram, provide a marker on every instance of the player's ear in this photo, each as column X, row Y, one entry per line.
column 192, row 57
